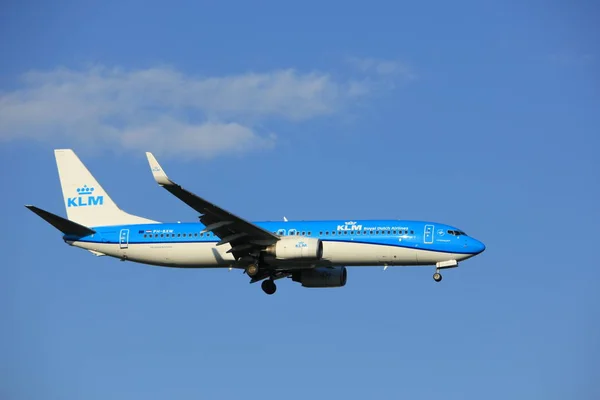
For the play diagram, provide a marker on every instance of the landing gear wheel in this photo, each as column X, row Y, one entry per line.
column 437, row 277
column 268, row 286
column 252, row 270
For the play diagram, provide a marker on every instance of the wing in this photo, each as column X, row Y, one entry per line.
column 244, row 237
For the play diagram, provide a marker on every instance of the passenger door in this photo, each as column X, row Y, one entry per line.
column 428, row 234
column 124, row 238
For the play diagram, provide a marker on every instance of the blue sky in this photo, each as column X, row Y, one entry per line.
column 483, row 115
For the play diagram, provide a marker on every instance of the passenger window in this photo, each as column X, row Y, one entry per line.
column 326, row 233
column 179, row 235
column 309, row 233
column 332, row 233
column 162, row 235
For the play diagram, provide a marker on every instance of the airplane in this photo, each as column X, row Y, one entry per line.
column 312, row 253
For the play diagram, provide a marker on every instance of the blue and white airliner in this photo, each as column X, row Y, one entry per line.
column 313, row 253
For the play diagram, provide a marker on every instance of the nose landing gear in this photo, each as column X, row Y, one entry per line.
column 441, row 265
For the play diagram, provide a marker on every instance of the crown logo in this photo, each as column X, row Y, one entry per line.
column 85, row 190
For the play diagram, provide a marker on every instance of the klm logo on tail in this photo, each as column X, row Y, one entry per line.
column 85, row 198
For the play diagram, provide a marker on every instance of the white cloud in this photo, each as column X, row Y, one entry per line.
column 383, row 67
column 163, row 110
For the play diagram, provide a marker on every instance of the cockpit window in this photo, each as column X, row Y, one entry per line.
column 457, row 233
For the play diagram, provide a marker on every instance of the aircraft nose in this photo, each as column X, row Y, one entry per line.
column 477, row 246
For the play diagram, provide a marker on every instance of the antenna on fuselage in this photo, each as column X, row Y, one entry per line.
column 285, row 219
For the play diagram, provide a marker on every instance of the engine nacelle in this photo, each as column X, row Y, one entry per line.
column 321, row 277
column 296, row 247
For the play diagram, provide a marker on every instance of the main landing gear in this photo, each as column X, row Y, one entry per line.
column 252, row 270
column 268, row 286
column 437, row 276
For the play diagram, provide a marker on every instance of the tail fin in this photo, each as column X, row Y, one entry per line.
column 85, row 200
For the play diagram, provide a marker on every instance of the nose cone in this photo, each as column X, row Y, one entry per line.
column 476, row 246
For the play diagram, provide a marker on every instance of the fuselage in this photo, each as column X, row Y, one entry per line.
column 345, row 243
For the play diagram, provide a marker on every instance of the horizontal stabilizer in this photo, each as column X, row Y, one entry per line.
column 62, row 224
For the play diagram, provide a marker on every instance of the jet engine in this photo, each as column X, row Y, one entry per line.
column 296, row 247
column 321, row 277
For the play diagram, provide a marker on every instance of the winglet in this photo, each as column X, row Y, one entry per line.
column 159, row 174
